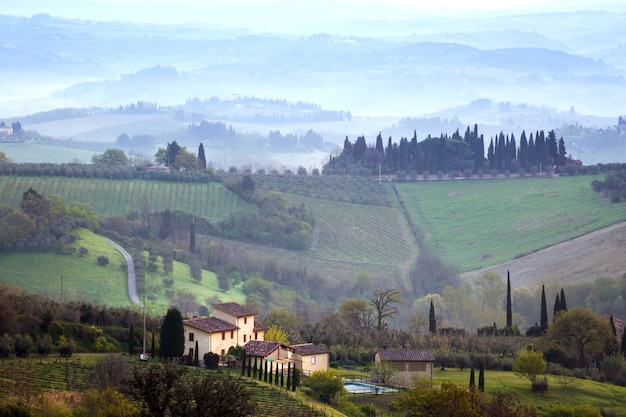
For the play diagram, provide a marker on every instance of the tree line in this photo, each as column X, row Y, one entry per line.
column 458, row 153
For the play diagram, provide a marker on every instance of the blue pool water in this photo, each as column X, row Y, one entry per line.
column 354, row 387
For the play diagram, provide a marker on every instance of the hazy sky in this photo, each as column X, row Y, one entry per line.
column 280, row 14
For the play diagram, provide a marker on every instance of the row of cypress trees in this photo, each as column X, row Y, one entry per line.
column 263, row 370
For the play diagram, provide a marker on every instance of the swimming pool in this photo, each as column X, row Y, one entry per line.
column 354, row 387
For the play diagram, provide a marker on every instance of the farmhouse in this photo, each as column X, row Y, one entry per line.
column 309, row 358
column 231, row 325
column 408, row 362
column 306, row 357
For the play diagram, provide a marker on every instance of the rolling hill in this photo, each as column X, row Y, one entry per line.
column 360, row 225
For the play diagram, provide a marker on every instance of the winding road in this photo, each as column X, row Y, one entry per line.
column 132, row 286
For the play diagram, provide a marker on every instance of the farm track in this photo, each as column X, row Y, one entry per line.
column 599, row 253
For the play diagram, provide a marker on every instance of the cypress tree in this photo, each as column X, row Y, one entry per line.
column 472, row 382
column 563, row 302
column 269, row 377
column 557, row 308
column 255, row 369
column 192, row 236
column 288, row 376
column 261, row 370
column 265, row 371
column 481, row 378
column 295, row 380
column 201, row 157
column 624, row 342
column 172, row 335
column 432, row 322
column 196, row 359
column 249, row 365
column 131, row 341
column 282, row 374
column 544, row 310
column 243, row 363
column 509, row 310
column 612, row 323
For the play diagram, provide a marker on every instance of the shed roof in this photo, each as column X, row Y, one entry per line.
column 308, row 349
column 261, row 347
column 406, row 355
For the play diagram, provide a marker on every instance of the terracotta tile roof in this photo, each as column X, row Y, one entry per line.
column 406, row 355
column 210, row 324
column 308, row 349
column 260, row 347
column 234, row 309
column 258, row 326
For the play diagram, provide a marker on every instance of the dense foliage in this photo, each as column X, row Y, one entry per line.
column 43, row 223
column 457, row 154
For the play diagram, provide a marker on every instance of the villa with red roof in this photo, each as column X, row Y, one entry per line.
column 231, row 324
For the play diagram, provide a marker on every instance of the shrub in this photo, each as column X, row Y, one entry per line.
column 328, row 385
column 83, row 251
column 103, row 260
column 540, row 385
column 23, row 345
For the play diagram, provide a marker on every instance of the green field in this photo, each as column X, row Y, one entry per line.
column 477, row 224
column 30, row 152
column 359, row 224
column 83, row 279
column 606, row 396
column 119, row 197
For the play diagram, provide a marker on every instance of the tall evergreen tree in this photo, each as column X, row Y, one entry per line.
column 612, row 323
column 201, row 157
column 192, row 236
column 152, row 347
column 623, row 343
column 563, row 302
column 432, row 321
column 288, row 376
column 172, row 335
column 509, row 309
column 557, row 308
column 481, row 378
column 243, row 362
column 544, row 310
column 472, row 381
column 196, row 356
column 562, row 152
column 171, row 153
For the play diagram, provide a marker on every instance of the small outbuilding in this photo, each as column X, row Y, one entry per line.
column 408, row 362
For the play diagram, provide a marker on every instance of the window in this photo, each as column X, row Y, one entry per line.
column 232, row 334
column 256, row 336
column 245, row 320
column 191, row 337
column 313, row 360
column 190, row 351
column 223, row 335
column 223, row 352
column 244, row 338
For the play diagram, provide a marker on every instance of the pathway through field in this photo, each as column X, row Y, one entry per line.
column 132, row 284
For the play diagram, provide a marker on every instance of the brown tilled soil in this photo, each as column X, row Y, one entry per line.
column 600, row 253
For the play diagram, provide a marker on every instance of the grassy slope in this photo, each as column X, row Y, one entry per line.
column 607, row 396
column 30, row 152
column 482, row 223
column 84, row 279
column 118, row 197
column 359, row 225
